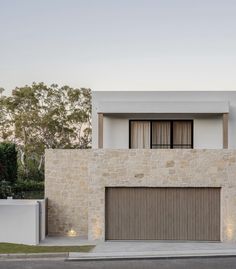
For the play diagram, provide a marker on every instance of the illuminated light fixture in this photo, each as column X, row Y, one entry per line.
column 72, row 233
column 230, row 231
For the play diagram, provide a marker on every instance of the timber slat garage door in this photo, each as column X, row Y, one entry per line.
column 162, row 213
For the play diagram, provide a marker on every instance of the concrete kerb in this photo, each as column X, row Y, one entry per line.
column 91, row 256
column 149, row 255
column 24, row 256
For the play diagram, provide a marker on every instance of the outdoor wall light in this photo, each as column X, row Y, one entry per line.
column 72, row 233
column 229, row 231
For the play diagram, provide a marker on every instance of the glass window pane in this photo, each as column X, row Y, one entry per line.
column 140, row 134
column 182, row 134
column 161, row 135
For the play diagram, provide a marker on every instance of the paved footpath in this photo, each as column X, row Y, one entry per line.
column 193, row 263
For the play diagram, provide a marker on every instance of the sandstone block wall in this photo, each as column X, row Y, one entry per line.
column 66, row 186
column 76, row 180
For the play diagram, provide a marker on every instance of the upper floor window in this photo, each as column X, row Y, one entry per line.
column 161, row 134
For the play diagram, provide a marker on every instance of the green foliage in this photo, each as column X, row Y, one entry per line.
column 5, row 189
column 33, row 172
column 39, row 117
column 33, row 195
column 28, row 189
column 22, row 186
column 21, row 189
column 8, row 162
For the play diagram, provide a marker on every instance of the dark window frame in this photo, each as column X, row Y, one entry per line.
column 171, row 130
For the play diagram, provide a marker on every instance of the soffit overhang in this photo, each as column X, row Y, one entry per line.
column 113, row 107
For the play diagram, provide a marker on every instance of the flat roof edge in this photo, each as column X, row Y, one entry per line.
column 162, row 107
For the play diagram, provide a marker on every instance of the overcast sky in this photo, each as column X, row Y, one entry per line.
column 119, row 44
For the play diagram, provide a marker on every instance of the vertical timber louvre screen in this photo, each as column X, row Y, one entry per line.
column 143, row 213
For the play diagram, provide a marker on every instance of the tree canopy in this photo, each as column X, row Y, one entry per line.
column 37, row 117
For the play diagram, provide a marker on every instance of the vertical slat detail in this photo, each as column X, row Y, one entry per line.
column 225, row 130
column 100, row 130
column 142, row 213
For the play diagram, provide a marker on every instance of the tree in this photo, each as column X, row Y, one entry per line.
column 41, row 116
column 8, row 162
column 1, row 91
column 6, row 129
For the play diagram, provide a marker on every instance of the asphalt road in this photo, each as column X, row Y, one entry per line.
column 196, row 263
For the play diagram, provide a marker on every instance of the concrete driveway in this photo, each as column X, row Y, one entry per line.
column 153, row 249
column 139, row 246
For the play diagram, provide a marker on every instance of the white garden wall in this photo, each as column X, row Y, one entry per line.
column 22, row 221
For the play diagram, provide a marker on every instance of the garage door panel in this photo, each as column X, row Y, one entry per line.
column 162, row 213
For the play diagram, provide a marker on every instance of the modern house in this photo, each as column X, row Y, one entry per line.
column 162, row 167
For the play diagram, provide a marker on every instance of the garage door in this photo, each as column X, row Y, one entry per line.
column 162, row 214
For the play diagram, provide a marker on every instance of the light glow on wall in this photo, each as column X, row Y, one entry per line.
column 97, row 230
column 72, row 233
column 230, row 231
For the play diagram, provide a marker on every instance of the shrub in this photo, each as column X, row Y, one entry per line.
column 20, row 189
column 23, row 186
column 28, row 189
column 8, row 162
column 5, row 189
column 32, row 171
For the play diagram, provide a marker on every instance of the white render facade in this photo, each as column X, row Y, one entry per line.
column 205, row 109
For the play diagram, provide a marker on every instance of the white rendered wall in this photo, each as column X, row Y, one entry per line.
column 42, row 219
column 207, row 132
column 20, row 222
column 116, row 133
column 207, row 127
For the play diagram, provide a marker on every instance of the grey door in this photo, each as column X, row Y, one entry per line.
column 139, row 213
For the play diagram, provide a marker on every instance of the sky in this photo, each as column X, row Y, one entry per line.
column 119, row 44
